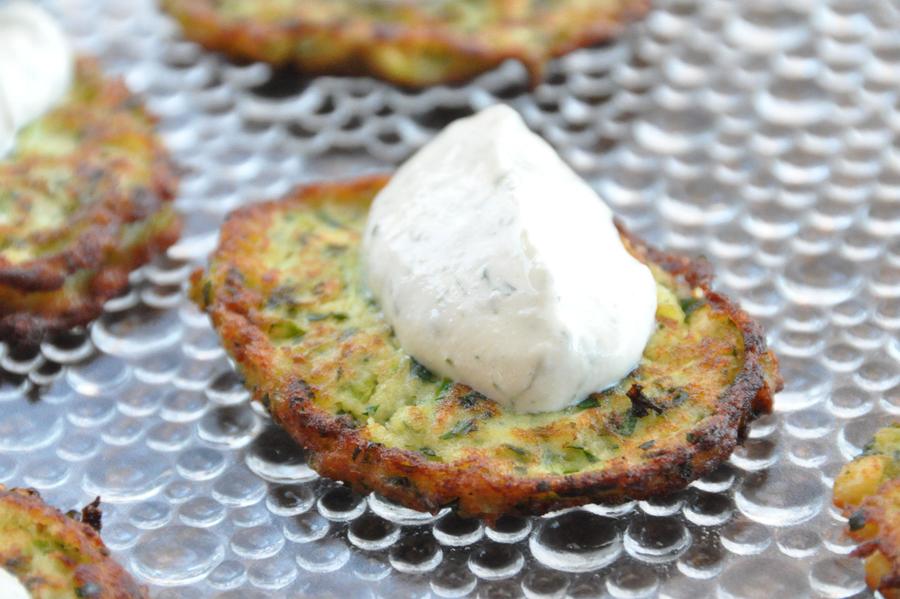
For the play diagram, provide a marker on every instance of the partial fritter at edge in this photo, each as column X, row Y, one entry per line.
column 85, row 198
column 868, row 491
column 414, row 44
column 57, row 555
column 284, row 293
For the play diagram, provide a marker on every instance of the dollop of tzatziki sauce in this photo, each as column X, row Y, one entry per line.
column 499, row 267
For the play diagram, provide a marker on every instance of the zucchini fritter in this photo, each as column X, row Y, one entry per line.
column 56, row 556
column 414, row 43
column 868, row 491
column 84, row 199
column 285, row 291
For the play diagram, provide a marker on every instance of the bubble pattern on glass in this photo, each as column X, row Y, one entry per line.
column 762, row 135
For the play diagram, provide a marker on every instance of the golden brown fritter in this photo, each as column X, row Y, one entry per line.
column 56, row 556
column 868, row 491
column 84, row 199
column 413, row 43
column 284, row 290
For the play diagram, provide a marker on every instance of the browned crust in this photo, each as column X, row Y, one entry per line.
column 466, row 57
column 28, row 327
column 103, row 218
column 95, row 571
column 880, row 512
column 339, row 451
column 38, row 283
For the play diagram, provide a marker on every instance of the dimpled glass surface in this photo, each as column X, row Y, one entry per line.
column 763, row 135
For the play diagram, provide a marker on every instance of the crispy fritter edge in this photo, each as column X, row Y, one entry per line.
column 112, row 579
column 248, row 41
column 27, row 328
column 877, row 510
column 338, row 450
column 49, row 273
column 90, row 251
column 872, row 521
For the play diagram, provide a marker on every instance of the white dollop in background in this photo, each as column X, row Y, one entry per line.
column 11, row 588
column 36, row 66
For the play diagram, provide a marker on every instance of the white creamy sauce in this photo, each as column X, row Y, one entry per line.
column 36, row 67
column 11, row 588
column 500, row 268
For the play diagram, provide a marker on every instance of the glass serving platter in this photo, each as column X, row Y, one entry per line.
column 763, row 135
